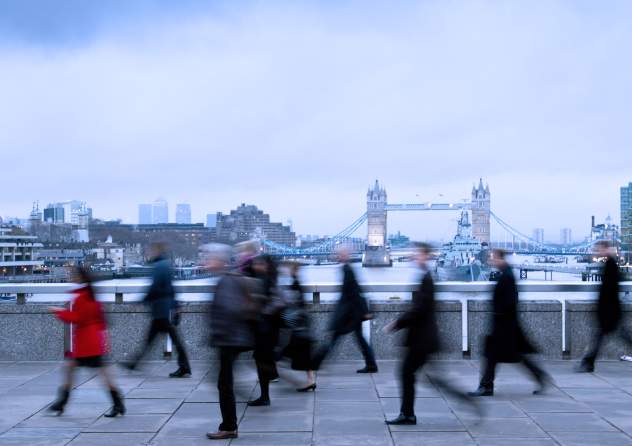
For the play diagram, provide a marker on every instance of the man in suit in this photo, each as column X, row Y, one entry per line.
column 608, row 308
column 161, row 299
column 506, row 342
column 421, row 340
column 351, row 310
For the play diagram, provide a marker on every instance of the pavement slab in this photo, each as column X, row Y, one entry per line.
column 346, row 409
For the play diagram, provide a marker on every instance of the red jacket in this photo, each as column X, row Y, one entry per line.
column 89, row 332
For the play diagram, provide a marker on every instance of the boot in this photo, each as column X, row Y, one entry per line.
column 118, row 408
column 60, row 402
column 482, row 391
column 182, row 372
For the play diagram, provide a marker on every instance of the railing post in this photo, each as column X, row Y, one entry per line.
column 316, row 297
column 21, row 299
column 118, row 298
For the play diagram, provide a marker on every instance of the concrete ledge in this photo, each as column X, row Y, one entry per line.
column 581, row 326
column 30, row 333
column 541, row 321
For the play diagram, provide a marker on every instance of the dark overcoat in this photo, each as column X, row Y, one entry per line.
column 608, row 305
column 506, row 342
column 351, row 307
column 420, row 320
column 161, row 296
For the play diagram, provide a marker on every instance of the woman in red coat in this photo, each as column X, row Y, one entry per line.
column 89, row 341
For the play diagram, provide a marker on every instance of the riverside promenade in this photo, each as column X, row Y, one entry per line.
column 346, row 409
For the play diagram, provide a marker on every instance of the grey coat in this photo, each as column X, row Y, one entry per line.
column 234, row 311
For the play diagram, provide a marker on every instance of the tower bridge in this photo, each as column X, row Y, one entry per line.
column 376, row 251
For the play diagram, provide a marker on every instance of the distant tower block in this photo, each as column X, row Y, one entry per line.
column 376, row 252
column 481, row 212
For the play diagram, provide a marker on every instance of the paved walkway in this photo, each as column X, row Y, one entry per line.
column 347, row 409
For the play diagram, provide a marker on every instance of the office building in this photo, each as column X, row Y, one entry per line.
column 626, row 221
column 18, row 253
column 538, row 235
column 247, row 222
column 211, row 220
column 73, row 212
column 566, row 236
column 144, row 214
column 183, row 214
column 160, row 212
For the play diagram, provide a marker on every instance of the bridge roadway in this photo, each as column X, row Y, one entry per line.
column 346, row 409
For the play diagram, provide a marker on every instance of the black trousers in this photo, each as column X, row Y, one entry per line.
column 227, row 357
column 413, row 361
column 165, row 326
column 595, row 345
column 365, row 348
column 489, row 371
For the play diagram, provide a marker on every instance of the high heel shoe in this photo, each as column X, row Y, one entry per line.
column 310, row 388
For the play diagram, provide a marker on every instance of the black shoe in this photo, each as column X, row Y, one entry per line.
column 258, row 402
column 310, row 388
column 403, row 420
column 368, row 369
column 129, row 365
column 118, row 408
column 180, row 373
column 60, row 403
column 222, row 435
column 482, row 391
column 544, row 383
column 585, row 367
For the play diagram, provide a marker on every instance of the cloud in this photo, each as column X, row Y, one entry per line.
column 297, row 107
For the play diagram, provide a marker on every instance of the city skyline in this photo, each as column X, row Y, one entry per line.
column 297, row 108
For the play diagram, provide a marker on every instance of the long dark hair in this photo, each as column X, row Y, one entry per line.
column 85, row 277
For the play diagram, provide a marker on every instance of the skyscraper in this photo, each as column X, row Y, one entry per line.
column 211, row 220
column 626, row 221
column 160, row 211
column 144, row 214
column 538, row 235
column 183, row 213
column 566, row 236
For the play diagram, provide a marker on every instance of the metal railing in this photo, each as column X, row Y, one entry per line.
column 23, row 290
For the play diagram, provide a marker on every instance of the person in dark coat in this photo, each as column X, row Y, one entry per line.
column 296, row 318
column 234, row 310
column 506, row 342
column 421, row 340
column 267, row 328
column 609, row 312
column 164, row 317
column 351, row 310
column 89, row 340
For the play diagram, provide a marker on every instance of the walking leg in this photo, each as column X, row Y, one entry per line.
column 367, row 351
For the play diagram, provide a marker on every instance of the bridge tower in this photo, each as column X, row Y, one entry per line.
column 376, row 252
column 481, row 212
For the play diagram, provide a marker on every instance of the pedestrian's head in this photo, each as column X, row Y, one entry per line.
column 247, row 250
column 157, row 249
column 498, row 258
column 423, row 253
column 293, row 268
column 603, row 248
column 343, row 253
column 260, row 266
column 82, row 275
column 215, row 256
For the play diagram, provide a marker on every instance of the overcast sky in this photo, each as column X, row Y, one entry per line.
column 297, row 107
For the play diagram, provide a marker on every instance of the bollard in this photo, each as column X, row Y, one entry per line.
column 316, row 297
column 21, row 299
column 118, row 298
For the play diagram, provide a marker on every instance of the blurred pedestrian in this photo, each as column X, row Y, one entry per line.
column 296, row 317
column 422, row 340
column 267, row 328
column 506, row 342
column 609, row 313
column 351, row 310
column 161, row 299
column 89, row 342
column 234, row 311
